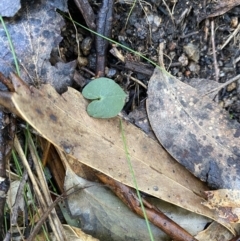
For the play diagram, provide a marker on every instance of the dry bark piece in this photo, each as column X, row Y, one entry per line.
column 139, row 67
column 194, row 130
column 98, row 143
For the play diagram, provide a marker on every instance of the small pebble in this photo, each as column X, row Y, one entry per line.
column 234, row 22
column 183, row 59
column 82, row 61
column 172, row 46
column 228, row 102
column 86, row 45
column 192, row 52
column 110, row 72
column 193, row 67
column 154, row 21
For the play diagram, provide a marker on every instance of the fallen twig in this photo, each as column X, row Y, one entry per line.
column 104, row 27
column 129, row 197
column 214, row 52
column 234, row 33
column 137, row 81
column 87, row 13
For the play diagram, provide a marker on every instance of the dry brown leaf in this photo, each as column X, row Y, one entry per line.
column 226, row 202
column 214, row 232
column 194, row 130
column 98, row 143
column 224, row 198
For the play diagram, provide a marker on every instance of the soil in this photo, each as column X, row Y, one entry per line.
column 188, row 51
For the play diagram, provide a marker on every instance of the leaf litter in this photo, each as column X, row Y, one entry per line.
column 194, row 130
column 63, row 120
column 67, row 149
column 96, row 202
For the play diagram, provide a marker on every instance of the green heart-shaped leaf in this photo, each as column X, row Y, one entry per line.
column 108, row 98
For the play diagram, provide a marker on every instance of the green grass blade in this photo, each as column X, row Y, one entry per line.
column 112, row 41
column 135, row 181
column 10, row 45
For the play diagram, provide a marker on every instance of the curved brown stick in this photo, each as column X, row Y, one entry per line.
column 129, row 197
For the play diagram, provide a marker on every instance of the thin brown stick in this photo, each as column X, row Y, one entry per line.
column 87, row 70
column 50, row 208
column 231, row 36
column 137, row 81
column 206, row 30
column 214, row 52
column 160, row 54
column 43, row 218
column 104, row 27
column 206, row 24
column 129, row 197
column 87, row 13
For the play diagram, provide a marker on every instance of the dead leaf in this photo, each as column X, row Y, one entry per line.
column 98, row 143
column 224, row 198
column 9, row 8
column 194, row 130
column 101, row 213
column 12, row 194
column 74, row 234
column 35, row 33
column 226, row 202
column 205, row 86
column 214, row 232
column 217, row 8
